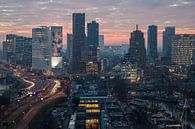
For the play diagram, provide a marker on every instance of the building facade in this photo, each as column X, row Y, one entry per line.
column 69, row 46
column 92, row 48
column 18, row 50
column 93, row 34
column 5, row 50
column 152, row 42
column 130, row 72
column 93, row 41
column 10, row 43
column 47, row 48
column 137, row 49
column 101, row 41
column 23, row 51
column 183, row 49
column 167, row 34
column 78, row 30
column 41, row 48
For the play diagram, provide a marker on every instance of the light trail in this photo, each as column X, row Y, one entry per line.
column 56, row 86
column 32, row 84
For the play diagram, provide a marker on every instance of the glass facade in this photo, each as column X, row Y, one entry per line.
column 41, row 48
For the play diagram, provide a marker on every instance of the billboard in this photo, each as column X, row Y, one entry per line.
column 56, row 32
column 56, row 62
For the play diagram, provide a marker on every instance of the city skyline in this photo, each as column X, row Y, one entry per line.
column 19, row 17
column 97, row 64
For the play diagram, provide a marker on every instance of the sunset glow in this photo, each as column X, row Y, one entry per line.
column 117, row 18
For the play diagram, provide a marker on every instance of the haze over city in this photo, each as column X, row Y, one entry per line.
column 117, row 18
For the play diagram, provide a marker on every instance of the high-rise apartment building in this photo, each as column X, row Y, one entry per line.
column 10, row 43
column 93, row 41
column 23, row 51
column 152, row 42
column 93, row 34
column 167, row 34
column 92, row 48
column 78, row 30
column 183, row 49
column 18, row 49
column 137, row 48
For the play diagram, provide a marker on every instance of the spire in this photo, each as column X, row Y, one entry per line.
column 137, row 27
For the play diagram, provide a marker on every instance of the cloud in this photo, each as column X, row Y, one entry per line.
column 180, row 3
column 117, row 18
column 167, row 22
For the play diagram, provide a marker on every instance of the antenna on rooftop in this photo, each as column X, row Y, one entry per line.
column 137, row 27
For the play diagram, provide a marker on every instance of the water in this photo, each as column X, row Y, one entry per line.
column 172, row 109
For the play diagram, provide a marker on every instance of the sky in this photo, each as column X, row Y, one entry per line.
column 117, row 18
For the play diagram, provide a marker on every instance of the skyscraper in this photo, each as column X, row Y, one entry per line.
column 18, row 49
column 92, row 41
column 55, row 39
column 1, row 51
column 69, row 46
column 78, row 30
column 101, row 41
column 10, row 42
column 183, row 49
column 47, row 47
column 167, row 34
column 5, row 50
column 152, row 42
column 93, row 34
column 23, row 51
column 137, row 49
column 27, row 57
column 92, row 48
column 41, row 48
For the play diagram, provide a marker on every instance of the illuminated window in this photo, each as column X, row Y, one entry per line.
column 89, row 105
column 93, row 111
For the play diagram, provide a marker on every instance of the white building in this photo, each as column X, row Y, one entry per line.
column 128, row 71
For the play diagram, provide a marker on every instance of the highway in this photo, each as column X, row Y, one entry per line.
column 54, row 94
column 35, row 109
column 56, row 87
column 35, row 102
column 32, row 84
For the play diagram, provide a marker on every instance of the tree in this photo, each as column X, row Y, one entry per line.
column 120, row 88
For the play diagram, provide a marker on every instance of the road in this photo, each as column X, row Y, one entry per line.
column 32, row 84
column 20, row 106
column 55, row 88
column 35, row 109
column 53, row 94
column 35, row 100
